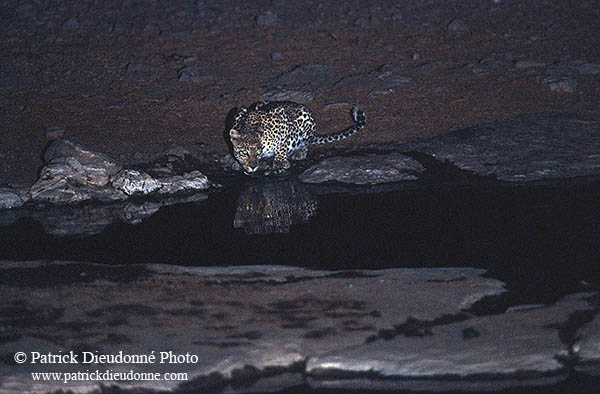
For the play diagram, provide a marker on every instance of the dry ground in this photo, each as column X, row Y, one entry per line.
column 114, row 78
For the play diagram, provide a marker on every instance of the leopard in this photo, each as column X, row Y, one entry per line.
column 282, row 130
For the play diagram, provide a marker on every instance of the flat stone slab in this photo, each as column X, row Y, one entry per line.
column 250, row 328
column 363, row 169
column 529, row 148
column 587, row 347
column 488, row 352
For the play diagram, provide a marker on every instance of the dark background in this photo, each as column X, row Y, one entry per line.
column 131, row 78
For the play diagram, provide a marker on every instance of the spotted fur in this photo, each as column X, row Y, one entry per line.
column 282, row 129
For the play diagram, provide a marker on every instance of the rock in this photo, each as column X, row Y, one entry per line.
column 559, row 78
column 70, row 169
column 480, row 71
column 388, row 77
column 276, row 56
column 505, row 78
column 194, row 75
column 189, row 74
column 589, row 69
column 190, row 60
column 10, row 198
column 337, row 106
column 134, row 182
column 520, row 308
column 59, row 191
column 433, row 66
column 54, row 133
column 560, row 84
column 458, row 26
column 261, row 322
column 520, row 347
column 90, row 167
column 487, row 66
column 391, row 83
column 587, row 345
column 528, row 148
column 382, row 81
column 309, row 74
column 267, row 19
column 73, row 174
column 192, row 181
column 116, row 106
column 522, row 64
column 278, row 93
column 151, row 28
column 363, row 169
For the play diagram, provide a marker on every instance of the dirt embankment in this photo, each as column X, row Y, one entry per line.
column 133, row 78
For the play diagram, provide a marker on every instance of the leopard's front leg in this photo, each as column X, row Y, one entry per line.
column 281, row 162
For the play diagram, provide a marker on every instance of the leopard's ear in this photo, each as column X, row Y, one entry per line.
column 234, row 134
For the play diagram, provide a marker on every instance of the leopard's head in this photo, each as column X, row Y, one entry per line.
column 247, row 150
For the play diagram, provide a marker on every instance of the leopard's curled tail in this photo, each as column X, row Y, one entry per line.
column 360, row 121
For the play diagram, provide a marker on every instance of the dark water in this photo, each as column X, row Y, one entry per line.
column 543, row 237
column 542, row 240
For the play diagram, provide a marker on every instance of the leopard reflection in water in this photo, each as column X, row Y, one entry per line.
column 273, row 207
